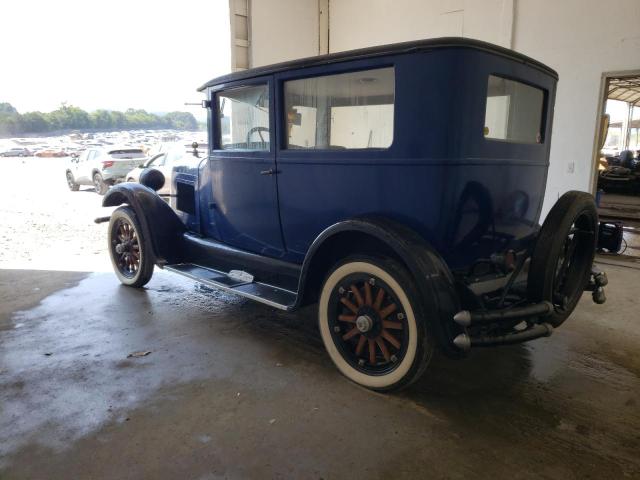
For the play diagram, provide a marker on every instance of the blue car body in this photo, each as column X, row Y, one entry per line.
column 458, row 206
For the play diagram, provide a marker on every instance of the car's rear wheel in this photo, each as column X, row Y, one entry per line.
column 99, row 184
column 129, row 250
column 71, row 182
column 563, row 257
column 372, row 323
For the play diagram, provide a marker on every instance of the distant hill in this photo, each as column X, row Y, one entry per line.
column 68, row 117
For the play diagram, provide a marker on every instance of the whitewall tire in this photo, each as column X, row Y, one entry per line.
column 371, row 322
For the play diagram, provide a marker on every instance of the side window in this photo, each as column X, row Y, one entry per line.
column 93, row 154
column 158, row 161
column 347, row 110
column 173, row 155
column 513, row 112
column 243, row 118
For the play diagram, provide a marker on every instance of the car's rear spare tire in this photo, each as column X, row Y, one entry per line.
column 129, row 250
column 372, row 323
column 563, row 256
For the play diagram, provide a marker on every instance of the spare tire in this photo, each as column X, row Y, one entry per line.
column 563, row 255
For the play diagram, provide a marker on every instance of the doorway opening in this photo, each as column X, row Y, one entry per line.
column 617, row 157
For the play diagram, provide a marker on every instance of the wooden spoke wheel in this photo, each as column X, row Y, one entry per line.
column 128, row 249
column 368, row 322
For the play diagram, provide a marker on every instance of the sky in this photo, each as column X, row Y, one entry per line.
column 114, row 54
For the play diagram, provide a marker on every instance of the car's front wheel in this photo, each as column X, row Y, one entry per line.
column 71, row 182
column 99, row 184
column 129, row 250
column 372, row 323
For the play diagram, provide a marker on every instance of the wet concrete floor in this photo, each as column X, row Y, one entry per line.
column 234, row 389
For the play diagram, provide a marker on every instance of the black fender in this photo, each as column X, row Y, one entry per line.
column 160, row 224
column 434, row 280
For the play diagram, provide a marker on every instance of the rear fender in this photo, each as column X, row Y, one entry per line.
column 434, row 280
column 160, row 224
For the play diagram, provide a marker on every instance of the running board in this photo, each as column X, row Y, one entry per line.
column 234, row 282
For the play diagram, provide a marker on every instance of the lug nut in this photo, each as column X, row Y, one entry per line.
column 401, row 316
column 361, row 362
column 341, row 290
column 372, row 281
column 336, row 329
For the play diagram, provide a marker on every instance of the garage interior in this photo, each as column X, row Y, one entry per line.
column 620, row 199
column 178, row 380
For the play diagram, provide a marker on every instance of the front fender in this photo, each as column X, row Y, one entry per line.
column 434, row 280
column 160, row 224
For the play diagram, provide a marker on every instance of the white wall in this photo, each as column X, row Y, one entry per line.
column 363, row 23
column 581, row 39
column 283, row 30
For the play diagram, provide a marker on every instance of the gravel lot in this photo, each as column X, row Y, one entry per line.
column 46, row 226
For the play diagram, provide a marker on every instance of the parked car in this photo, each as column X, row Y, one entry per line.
column 102, row 167
column 16, row 152
column 51, row 153
column 399, row 187
column 171, row 156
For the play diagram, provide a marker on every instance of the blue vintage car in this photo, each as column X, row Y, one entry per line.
column 399, row 187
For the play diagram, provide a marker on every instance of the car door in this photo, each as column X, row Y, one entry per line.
column 243, row 168
column 80, row 168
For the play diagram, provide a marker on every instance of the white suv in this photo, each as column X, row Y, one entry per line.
column 103, row 167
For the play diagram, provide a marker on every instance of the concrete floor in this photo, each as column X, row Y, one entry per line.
column 233, row 389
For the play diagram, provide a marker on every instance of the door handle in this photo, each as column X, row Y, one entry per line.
column 271, row 171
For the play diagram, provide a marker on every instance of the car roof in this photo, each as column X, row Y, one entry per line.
column 377, row 51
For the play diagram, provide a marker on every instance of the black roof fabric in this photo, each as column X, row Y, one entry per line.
column 391, row 49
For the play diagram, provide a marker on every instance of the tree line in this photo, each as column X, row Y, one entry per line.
column 68, row 117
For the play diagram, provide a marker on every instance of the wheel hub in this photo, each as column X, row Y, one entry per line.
column 124, row 247
column 364, row 323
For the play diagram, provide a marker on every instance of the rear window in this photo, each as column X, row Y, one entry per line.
column 513, row 112
column 343, row 111
column 127, row 153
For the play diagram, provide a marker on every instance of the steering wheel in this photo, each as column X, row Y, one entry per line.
column 259, row 130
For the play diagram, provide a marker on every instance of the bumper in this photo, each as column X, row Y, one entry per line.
column 487, row 328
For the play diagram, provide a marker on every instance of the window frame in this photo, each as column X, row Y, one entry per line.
column 216, row 144
column 543, row 111
column 347, row 68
